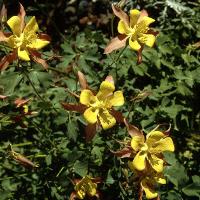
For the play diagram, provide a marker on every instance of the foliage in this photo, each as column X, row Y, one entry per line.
column 163, row 89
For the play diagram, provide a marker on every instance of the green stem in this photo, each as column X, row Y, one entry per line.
column 22, row 144
column 35, row 90
column 129, row 111
column 118, row 57
column 57, row 70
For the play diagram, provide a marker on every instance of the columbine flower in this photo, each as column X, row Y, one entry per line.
column 151, row 150
column 22, row 104
column 149, row 183
column 100, row 105
column 24, row 40
column 148, row 179
column 85, row 186
column 134, row 28
column 98, row 108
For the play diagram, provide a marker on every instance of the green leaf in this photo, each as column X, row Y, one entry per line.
column 192, row 189
column 177, row 174
column 72, row 130
column 81, row 168
column 109, row 179
column 9, row 82
column 173, row 195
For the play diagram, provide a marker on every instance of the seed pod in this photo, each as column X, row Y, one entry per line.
column 22, row 160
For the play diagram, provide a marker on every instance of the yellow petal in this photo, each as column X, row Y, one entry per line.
column 91, row 189
column 23, row 54
column 38, row 44
column 122, row 28
column 161, row 180
column 136, row 142
column 106, row 90
column 148, row 39
column 139, row 161
column 134, row 44
column 87, row 97
column 130, row 165
column 80, row 194
column 106, row 119
column 154, row 136
column 31, row 26
column 156, row 163
column 134, row 15
column 146, row 21
column 11, row 41
column 15, row 23
column 91, row 115
column 117, row 99
column 162, row 145
column 149, row 191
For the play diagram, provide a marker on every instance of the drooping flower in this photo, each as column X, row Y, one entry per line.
column 151, row 150
column 148, row 185
column 87, row 186
column 24, row 40
column 135, row 29
column 99, row 106
column 148, row 180
column 24, row 111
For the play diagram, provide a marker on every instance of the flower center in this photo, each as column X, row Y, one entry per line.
column 24, row 39
column 144, row 147
column 97, row 103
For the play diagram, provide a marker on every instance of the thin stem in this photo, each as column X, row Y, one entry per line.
column 129, row 111
column 118, row 57
column 35, row 90
column 57, row 70
column 112, row 22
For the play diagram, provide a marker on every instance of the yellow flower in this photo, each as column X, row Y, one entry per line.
column 148, row 180
column 148, row 184
column 134, row 28
column 99, row 106
column 24, row 39
column 151, row 150
column 137, row 29
column 85, row 187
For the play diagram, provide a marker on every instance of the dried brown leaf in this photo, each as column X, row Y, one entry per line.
column 20, row 102
column 116, row 43
column 117, row 115
column 139, row 55
column 143, row 14
column 110, row 79
column 6, row 60
column 3, row 38
column 120, row 13
column 82, row 80
column 123, row 153
column 3, row 14
column 44, row 36
column 72, row 196
column 74, row 107
column 133, row 130
column 90, row 131
column 36, row 56
column 22, row 14
column 3, row 97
